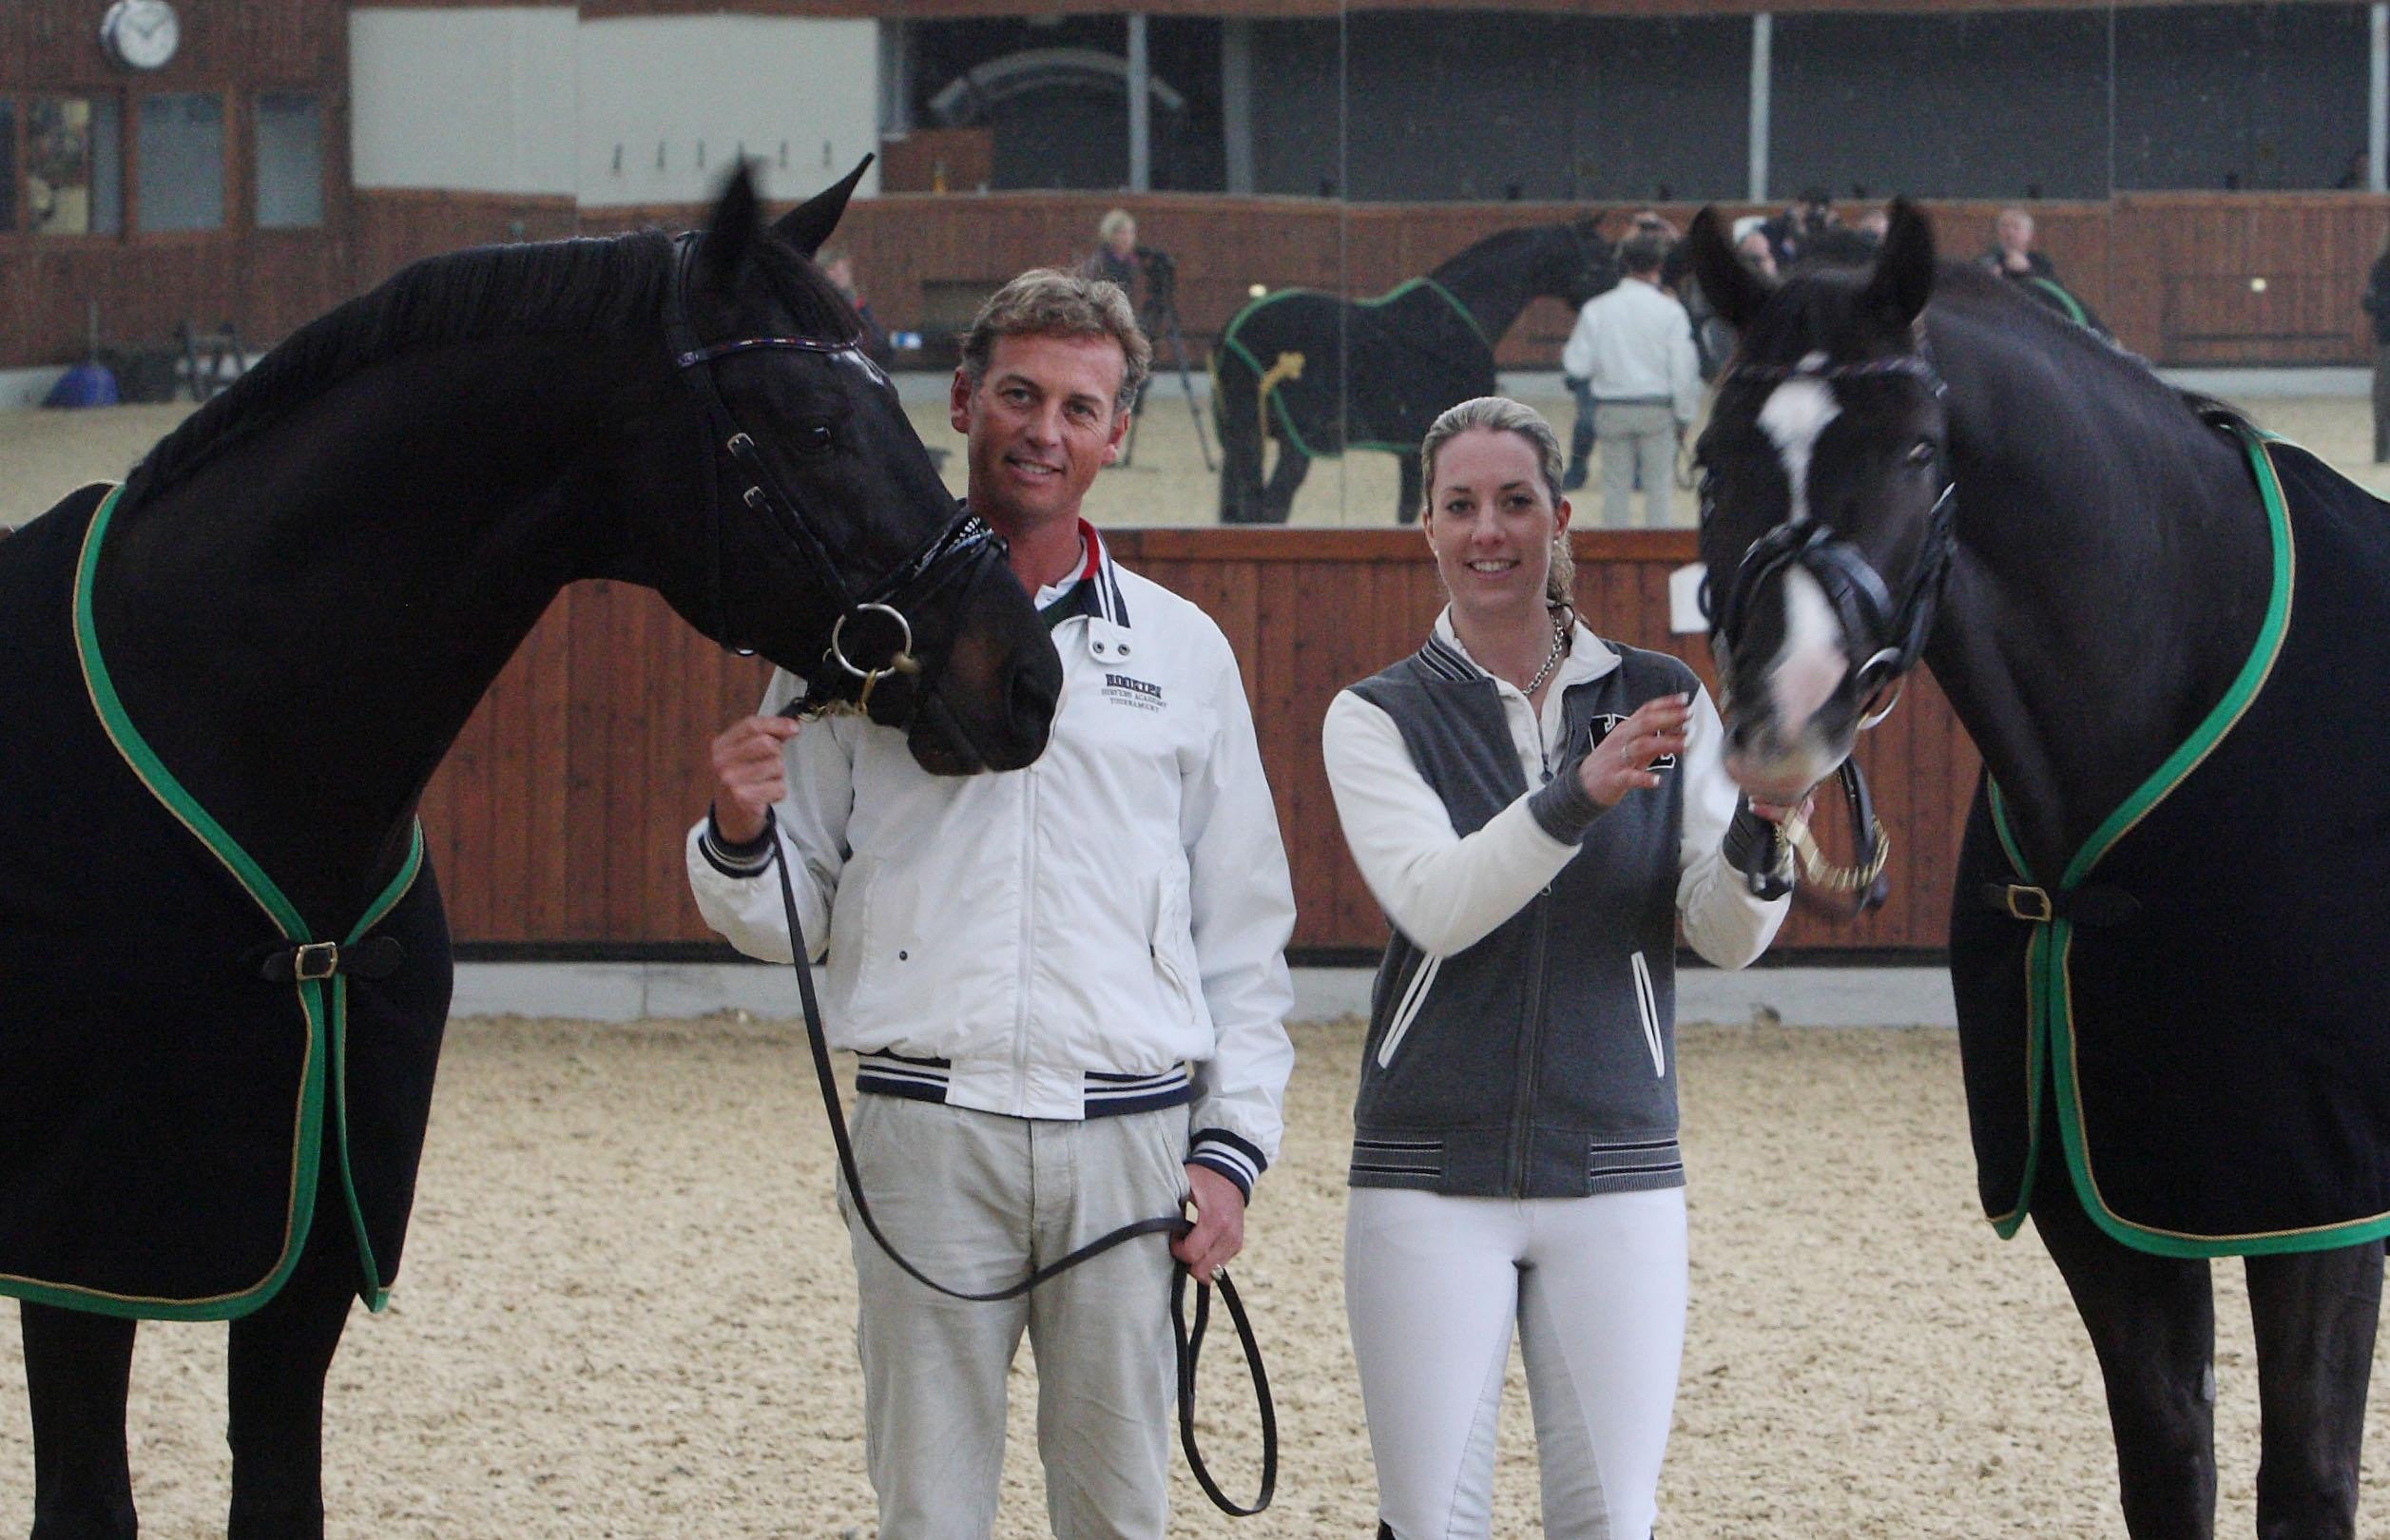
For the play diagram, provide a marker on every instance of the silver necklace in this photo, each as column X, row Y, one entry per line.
column 1552, row 658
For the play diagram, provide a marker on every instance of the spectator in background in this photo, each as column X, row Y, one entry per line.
column 1114, row 258
column 1634, row 347
column 1807, row 216
column 1757, row 254
column 2013, row 255
column 837, row 265
column 2376, row 303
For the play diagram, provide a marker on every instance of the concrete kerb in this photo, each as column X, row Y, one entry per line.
column 633, row 991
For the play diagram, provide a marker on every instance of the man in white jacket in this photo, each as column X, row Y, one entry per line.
column 1067, row 984
column 1634, row 344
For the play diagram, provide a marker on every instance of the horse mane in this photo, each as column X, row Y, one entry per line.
column 1972, row 283
column 592, row 285
column 1502, row 241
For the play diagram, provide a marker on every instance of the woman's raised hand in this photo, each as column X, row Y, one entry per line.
column 1622, row 762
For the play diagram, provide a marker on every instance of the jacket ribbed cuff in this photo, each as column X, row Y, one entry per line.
column 1239, row 1159
column 1561, row 807
column 748, row 861
column 1753, row 849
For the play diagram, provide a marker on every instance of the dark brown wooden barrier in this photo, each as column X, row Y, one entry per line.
column 558, row 817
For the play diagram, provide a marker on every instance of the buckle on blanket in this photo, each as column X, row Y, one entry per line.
column 2030, row 904
column 314, row 961
column 309, row 962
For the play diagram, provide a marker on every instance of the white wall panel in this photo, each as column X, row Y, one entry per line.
column 667, row 101
column 465, row 98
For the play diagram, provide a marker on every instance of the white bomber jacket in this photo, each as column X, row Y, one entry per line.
column 1102, row 932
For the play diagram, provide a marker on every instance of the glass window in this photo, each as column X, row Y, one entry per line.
column 75, row 160
column 7, row 165
column 290, row 160
column 182, row 145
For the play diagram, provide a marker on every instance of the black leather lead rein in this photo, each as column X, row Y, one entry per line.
column 1189, row 1339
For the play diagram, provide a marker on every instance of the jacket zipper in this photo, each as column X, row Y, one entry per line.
column 1028, row 888
column 1522, row 1118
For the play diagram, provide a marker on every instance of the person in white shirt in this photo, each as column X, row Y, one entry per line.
column 1067, row 984
column 1634, row 346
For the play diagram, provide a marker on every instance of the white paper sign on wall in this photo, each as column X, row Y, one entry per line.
column 1685, row 599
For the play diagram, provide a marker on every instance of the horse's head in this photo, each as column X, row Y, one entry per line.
column 831, row 546
column 1825, row 503
column 1581, row 265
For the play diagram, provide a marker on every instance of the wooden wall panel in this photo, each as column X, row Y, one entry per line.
column 558, row 817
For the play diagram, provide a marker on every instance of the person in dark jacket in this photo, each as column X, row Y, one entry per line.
column 1535, row 809
column 2376, row 303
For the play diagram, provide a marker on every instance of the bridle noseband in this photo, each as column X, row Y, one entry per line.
column 1895, row 632
column 964, row 552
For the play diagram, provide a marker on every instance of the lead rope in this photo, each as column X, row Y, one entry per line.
column 1189, row 1339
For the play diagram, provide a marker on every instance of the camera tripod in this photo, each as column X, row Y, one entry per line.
column 1161, row 323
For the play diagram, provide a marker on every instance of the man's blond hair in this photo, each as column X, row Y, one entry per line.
column 1046, row 301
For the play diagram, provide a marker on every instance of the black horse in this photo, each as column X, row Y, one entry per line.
column 223, row 969
column 1323, row 374
column 2162, row 630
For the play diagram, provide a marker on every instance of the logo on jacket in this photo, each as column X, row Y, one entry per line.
column 1603, row 725
column 1129, row 691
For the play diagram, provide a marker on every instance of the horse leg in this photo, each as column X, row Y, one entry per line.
column 1278, row 498
column 1407, row 495
column 2314, row 1314
column 1240, row 452
column 77, row 1367
column 279, row 1358
column 2153, row 1323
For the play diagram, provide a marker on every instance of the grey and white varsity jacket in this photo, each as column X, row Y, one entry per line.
column 1521, row 1038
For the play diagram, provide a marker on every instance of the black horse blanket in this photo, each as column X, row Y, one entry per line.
column 169, row 1119
column 2203, row 1009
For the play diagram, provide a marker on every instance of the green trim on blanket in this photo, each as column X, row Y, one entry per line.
column 1229, row 339
column 2049, row 996
column 2066, row 302
column 327, row 1033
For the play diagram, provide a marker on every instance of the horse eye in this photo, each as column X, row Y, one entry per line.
column 1921, row 455
column 814, row 438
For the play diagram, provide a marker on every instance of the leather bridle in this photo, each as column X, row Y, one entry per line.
column 1893, row 632
column 964, row 554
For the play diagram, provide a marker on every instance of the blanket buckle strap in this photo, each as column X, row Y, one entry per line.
column 2030, row 904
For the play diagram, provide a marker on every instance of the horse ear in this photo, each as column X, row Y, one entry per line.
column 1733, row 290
column 1904, row 279
column 809, row 225
column 731, row 233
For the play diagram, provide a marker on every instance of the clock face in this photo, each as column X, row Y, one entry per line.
column 141, row 34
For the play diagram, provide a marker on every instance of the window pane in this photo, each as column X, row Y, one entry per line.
column 290, row 162
column 73, row 166
column 182, row 163
column 7, row 165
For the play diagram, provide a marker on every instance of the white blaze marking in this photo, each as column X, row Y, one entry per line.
column 1810, row 665
column 1796, row 412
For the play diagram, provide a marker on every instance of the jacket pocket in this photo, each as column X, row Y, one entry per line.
column 1407, row 1011
column 1647, row 1007
column 1171, row 942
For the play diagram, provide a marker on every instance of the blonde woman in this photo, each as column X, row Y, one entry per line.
column 1535, row 809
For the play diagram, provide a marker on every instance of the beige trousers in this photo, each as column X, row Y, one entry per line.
column 975, row 1200
column 1632, row 438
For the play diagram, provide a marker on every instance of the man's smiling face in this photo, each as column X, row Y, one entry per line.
column 1041, row 423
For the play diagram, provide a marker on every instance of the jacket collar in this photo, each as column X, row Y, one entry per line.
column 1095, row 591
column 1588, row 657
